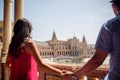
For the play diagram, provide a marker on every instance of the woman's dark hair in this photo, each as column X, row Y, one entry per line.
column 22, row 30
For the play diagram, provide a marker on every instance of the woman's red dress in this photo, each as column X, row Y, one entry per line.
column 24, row 67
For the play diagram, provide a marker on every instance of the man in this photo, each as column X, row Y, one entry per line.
column 108, row 42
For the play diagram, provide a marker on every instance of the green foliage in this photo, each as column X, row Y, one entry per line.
column 78, row 59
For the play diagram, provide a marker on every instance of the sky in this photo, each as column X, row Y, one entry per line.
column 67, row 18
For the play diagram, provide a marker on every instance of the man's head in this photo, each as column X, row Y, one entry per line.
column 115, row 1
column 116, row 6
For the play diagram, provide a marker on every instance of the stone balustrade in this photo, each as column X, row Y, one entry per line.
column 98, row 74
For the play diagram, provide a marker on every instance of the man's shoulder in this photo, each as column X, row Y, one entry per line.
column 114, row 19
column 113, row 22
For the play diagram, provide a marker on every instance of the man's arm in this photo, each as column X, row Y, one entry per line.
column 97, row 60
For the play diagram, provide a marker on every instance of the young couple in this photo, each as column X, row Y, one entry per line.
column 23, row 55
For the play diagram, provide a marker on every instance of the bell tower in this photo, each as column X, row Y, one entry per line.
column 84, row 41
column 54, row 38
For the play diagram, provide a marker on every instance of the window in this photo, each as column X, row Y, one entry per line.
column 1, row 39
column 0, row 29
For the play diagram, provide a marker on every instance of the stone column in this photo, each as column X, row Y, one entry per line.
column 18, row 9
column 6, row 35
column 6, row 28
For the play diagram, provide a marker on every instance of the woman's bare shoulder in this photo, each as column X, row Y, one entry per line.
column 30, row 43
column 30, row 46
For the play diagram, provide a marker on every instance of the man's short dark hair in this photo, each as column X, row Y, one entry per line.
column 116, row 2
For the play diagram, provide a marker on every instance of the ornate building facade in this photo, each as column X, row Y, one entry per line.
column 71, row 47
column 1, row 37
column 1, row 27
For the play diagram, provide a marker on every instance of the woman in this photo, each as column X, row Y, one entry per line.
column 23, row 55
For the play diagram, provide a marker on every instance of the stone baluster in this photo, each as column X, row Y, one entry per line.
column 82, row 78
column 91, row 78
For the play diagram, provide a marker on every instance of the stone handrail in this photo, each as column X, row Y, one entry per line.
column 97, row 74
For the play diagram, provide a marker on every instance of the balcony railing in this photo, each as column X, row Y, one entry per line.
column 98, row 74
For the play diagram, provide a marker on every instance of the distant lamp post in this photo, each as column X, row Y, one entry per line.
column 74, row 50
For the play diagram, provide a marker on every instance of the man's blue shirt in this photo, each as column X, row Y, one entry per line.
column 109, row 40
